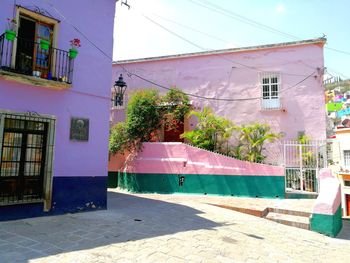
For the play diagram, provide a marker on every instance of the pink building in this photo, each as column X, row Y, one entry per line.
column 278, row 84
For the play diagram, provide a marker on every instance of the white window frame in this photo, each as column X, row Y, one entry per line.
column 346, row 159
column 270, row 86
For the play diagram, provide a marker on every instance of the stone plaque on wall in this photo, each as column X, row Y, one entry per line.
column 79, row 129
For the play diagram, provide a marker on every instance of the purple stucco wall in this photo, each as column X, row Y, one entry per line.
column 89, row 95
column 219, row 76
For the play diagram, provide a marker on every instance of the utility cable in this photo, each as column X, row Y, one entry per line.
column 231, row 14
column 152, row 82
column 210, row 50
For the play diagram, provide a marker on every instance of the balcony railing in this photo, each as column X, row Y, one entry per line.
column 28, row 58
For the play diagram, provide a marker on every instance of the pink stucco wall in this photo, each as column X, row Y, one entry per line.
column 89, row 96
column 179, row 158
column 222, row 76
column 328, row 200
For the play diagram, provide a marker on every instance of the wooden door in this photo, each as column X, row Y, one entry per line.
column 22, row 165
column 42, row 58
column 347, row 204
column 173, row 135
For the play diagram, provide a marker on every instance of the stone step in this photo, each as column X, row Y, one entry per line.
column 250, row 211
column 290, row 220
column 288, row 212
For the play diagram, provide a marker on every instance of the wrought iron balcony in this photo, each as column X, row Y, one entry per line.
column 28, row 58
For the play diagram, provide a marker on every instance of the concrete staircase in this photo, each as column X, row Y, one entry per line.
column 300, row 219
column 289, row 217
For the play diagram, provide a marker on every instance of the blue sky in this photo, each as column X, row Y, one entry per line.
column 137, row 36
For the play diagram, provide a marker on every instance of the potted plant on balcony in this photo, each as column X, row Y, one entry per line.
column 44, row 44
column 10, row 32
column 73, row 51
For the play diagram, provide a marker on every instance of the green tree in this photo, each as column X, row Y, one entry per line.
column 175, row 106
column 118, row 139
column 211, row 132
column 147, row 111
column 251, row 140
column 143, row 116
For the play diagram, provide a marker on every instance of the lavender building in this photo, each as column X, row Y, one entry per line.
column 54, row 105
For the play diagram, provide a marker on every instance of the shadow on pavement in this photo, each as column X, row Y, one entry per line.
column 345, row 231
column 128, row 218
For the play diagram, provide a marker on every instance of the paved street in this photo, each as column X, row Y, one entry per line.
column 164, row 229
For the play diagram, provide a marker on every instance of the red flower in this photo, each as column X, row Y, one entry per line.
column 75, row 42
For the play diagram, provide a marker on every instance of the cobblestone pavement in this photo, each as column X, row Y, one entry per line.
column 139, row 229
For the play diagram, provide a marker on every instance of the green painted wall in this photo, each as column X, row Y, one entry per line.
column 334, row 106
column 251, row 186
column 329, row 225
column 112, row 179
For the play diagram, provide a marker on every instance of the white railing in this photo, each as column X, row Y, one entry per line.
column 302, row 163
column 271, row 104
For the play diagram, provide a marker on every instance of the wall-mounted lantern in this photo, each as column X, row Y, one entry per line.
column 119, row 88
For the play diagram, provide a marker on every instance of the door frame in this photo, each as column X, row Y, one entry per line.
column 48, row 170
column 37, row 17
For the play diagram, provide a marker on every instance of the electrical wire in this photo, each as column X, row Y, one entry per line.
column 210, row 50
column 243, row 19
column 214, row 98
column 231, row 14
column 154, row 83
column 192, row 29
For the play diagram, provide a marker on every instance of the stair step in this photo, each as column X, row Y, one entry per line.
column 288, row 212
column 290, row 220
column 249, row 211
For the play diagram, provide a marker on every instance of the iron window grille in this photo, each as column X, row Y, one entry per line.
column 26, row 153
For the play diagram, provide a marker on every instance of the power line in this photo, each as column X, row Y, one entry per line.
column 192, row 29
column 233, row 15
column 214, row 98
column 206, row 49
column 154, row 83
column 78, row 30
column 337, row 72
column 241, row 18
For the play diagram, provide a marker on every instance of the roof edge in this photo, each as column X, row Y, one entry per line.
column 321, row 40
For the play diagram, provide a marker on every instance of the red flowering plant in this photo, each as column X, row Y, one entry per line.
column 75, row 43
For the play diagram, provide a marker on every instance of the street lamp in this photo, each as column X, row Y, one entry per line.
column 119, row 88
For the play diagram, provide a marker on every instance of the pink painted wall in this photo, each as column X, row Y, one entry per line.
column 179, row 158
column 217, row 76
column 328, row 200
column 116, row 162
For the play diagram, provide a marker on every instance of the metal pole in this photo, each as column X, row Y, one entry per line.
column 301, row 166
